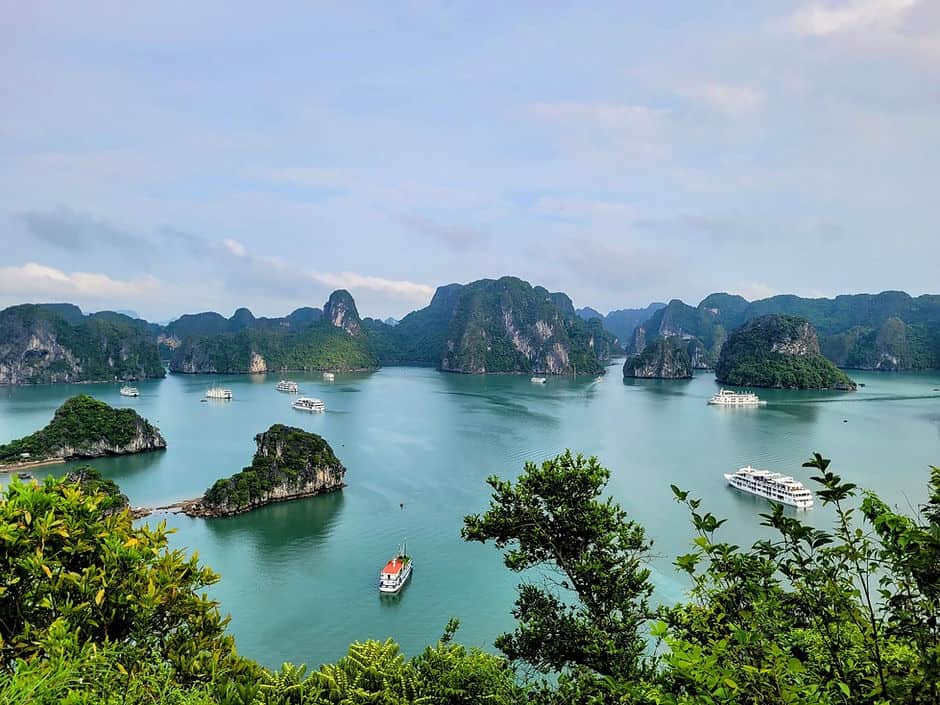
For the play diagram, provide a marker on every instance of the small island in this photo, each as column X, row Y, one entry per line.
column 780, row 352
column 290, row 463
column 91, row 482
column 662, row 358
column 83, row 427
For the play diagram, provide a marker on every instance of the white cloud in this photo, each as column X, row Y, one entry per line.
column 410, row 291
column 235, row 247
column 755, row 291
column 822, row 20
column 726, row 98
column 33, row 279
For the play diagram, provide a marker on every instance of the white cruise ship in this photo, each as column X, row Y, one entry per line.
column 286, row 385
column 129, row 391
column 771, row 485
column 395, row 574
column 727, row 397
column 328, row 376
column 309, row 404
column 219, row 393
column 538, row 380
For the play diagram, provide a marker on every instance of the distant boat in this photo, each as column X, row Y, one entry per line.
column 396, row 572
column 286, row 385
column 538, row 380
column 24, row 476
column 129, row 391
column 727, row 397
column 771, row 485
column 328, row 376
column 309, row 404
column 219, row 393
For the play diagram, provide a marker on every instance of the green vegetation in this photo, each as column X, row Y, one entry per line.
column 663, row 358
column 94, row 610
column 74, row 348
column 778, row 351
column 91, row 483
column 285, row 455
column 84, row 425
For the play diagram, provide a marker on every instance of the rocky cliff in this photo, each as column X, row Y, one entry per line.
column 53, row 343
column 84, row 427
column 290, row 463
column 778, row 351
column 340, row 311
column 663, row 358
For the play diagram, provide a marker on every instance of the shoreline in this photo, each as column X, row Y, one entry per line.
column 31, row 464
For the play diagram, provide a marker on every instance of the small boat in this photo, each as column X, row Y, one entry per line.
column 727, row 397
column 771, row 485
column 129, row 391
column 309, row 404
column 396, row 572
column 24, row 476
column 286, row 385
column 328, row 376
column 538, row 380
column 219, row 393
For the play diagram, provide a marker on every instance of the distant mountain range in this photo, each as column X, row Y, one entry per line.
column 501, row 325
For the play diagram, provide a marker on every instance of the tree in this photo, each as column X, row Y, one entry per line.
column 592, row 604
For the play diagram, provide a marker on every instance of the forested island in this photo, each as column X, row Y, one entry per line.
column 289, row 463
column 664, row 358
column 84, row 427
column 780, row 352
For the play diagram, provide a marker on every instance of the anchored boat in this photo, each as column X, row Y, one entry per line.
column 538, row 380
column 286, row 385
column 129, row 391
column 219, row 393
column 727, row 397
column 309, row 404
column 396, row 572
column 771, row 485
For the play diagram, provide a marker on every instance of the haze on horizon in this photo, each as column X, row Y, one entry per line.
column 177, row 158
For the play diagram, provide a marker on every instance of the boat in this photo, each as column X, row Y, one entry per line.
column 24, row 476
column 771, row 485
column 218, row 393
column 538, row 380
column 727, row 397
column 129, row 391
column 309, row 404
column 286, row 385
column 396, row 572
column 328, row 376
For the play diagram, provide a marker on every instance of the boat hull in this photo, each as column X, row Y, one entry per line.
column 758, row 492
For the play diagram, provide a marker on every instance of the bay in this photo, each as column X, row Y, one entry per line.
column 299, row 578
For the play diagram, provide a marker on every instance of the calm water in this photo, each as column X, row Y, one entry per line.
column 299, row 579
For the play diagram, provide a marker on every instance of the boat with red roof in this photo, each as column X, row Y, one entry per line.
column 396, row 572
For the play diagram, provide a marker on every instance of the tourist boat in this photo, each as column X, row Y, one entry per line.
column 218, row 393
column 309, row 404
column 328, row 376
column 24, row 476
column 129, row 391
column 727, row 397
column 285, row 385
column 771, row 485
column 538, row 380
column 396, row 572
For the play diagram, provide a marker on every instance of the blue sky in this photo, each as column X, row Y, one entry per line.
column 191, row 156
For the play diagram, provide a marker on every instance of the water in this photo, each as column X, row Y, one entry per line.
column 299, row 578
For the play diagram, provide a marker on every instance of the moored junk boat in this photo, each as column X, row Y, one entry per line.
column 309, row 404
column 727, row 397
column 538, row 380
column 771, row 485
column 219, row 393
column 396, row 572
column 286, row 385
column 127, row 391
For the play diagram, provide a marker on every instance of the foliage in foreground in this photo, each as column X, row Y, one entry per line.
column 93, row 610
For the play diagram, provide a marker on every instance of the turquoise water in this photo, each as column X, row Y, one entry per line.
column 299, row 578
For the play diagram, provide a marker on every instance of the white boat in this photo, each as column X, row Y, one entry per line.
column 727, row 397
column 328, row 376
column 129, row 391
column 218, row 393
column 538, row 380
column 286, row 385
column 309, row 404
column 396, row 572
column 771, row 485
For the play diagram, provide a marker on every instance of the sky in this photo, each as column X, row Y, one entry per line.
column 176, row 157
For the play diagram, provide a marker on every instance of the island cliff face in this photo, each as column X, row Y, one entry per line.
column 290, row 463
column 664, row 358
column 780, row 352
column 84, row 427
column 58, row 343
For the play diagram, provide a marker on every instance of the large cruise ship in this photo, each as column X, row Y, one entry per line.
column 309, row 404
column 286, row 385
column 771, row 485
column 727, row 397
column 127, row 391
column 219, row 393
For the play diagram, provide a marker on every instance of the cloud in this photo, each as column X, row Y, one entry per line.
column 457, row 237
column 77, row 232
column 235, row 247
column 726, row 98
column 755, row 291
column 400, row 289
column 823, row 20
column 33, row 279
